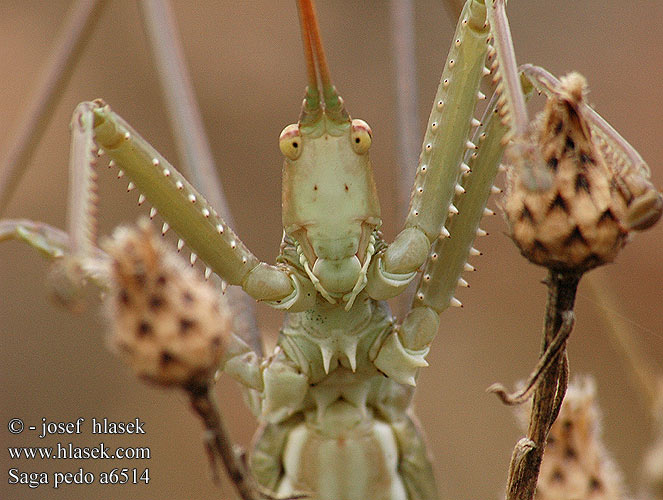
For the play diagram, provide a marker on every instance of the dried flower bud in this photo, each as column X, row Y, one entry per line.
column 575, row 463
column 579, row 221
column 167, row 322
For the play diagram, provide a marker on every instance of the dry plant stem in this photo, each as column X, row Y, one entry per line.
column 551, row 355
column 549, row 394
column 204, row 405
column 54, row 78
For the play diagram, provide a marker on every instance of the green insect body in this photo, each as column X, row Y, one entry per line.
column 334, row 397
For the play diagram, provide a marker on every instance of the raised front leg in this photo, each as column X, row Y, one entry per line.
column 191, row 217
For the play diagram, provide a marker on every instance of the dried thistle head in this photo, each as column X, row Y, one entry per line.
column 579, row 221
column 575, row 463
column 167, row 322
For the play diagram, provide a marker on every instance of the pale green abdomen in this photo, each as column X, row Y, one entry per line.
column 345, row 457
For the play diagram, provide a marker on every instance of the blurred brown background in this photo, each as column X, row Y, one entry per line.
column 248, row 71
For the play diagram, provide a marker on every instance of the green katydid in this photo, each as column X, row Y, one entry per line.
column 311, row 265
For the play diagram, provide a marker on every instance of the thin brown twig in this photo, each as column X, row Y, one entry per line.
column 540, row 371
column 219, row 444
column 55, row 75
column 548, row 397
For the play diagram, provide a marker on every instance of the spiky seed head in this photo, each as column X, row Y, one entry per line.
column 167, row 322
column 578, row 220
column 575, row 463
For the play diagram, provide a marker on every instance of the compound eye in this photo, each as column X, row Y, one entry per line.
column 360, row 136
column 290, row 142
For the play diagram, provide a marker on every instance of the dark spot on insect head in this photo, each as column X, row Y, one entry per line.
column 552, row 163
column 346, row 187
column 357, row 140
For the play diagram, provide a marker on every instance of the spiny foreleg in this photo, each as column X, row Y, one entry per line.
column 441, row 162
column 192, row 218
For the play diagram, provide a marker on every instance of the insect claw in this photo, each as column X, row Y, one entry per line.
column 488, row 211
column 475, row 122
column 111, row 164
column 164, row 228
column 453, row 209
column 459, row 189
column 465, row 168
column 470, row 145
column 444, row 232
column 463, row 283
column 131, row 187
column 495, row 190
column 180, row 244
column 454, row 302
column 153, row 212
column 481, row 232
column 120, row 174
column 474, row 252
column 192, row 198
column 193, row 258
column 469, row 267
column 481, row 96
column 155, row 162
column 486, row 71
column 208, row 273
column 141, row 199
